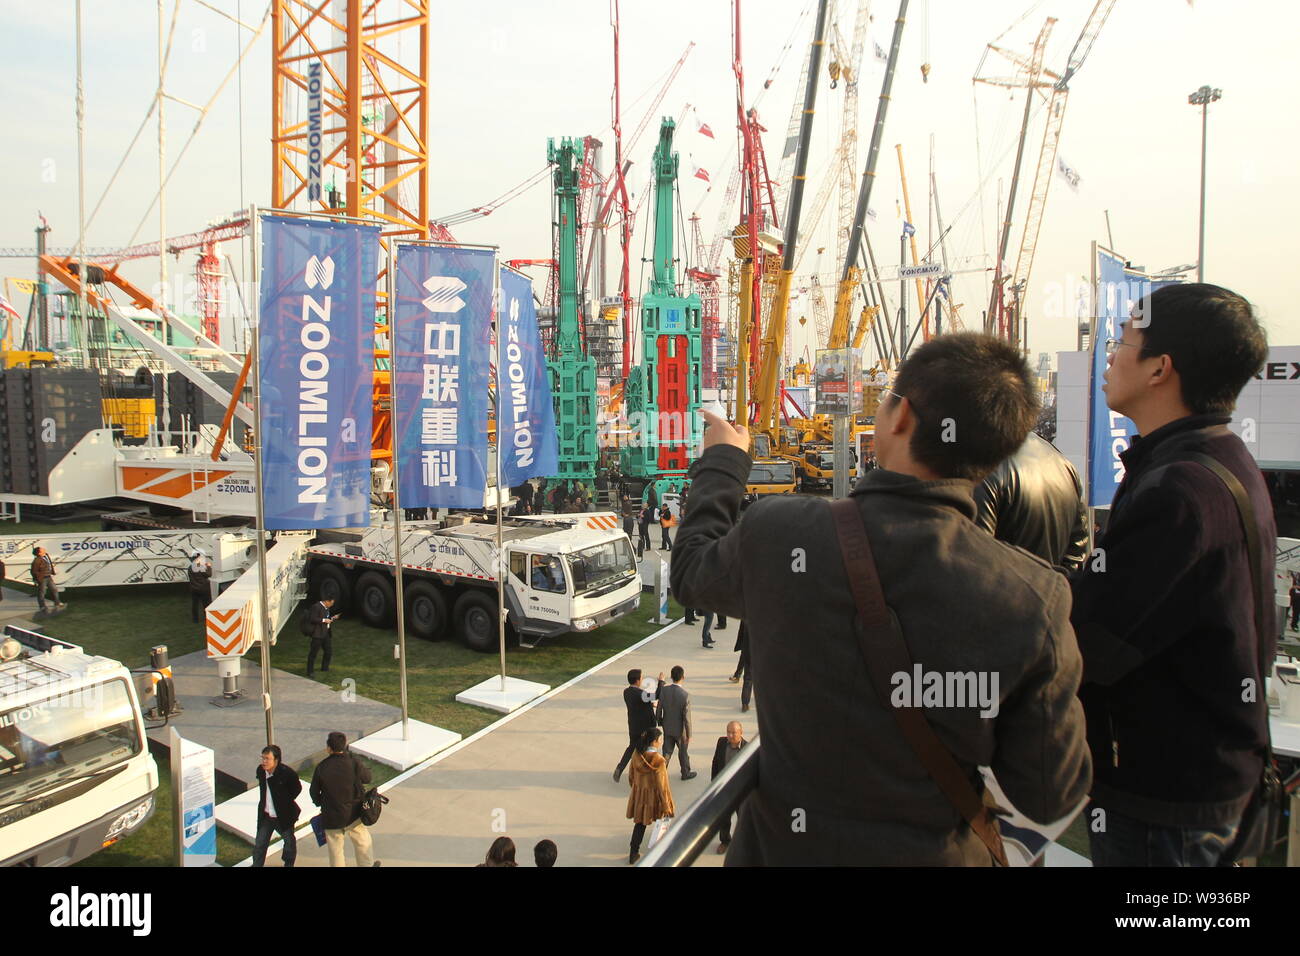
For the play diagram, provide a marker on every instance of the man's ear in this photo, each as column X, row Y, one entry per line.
column 1163, row 373
column 902, row 417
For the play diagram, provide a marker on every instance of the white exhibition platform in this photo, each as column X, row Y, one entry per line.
column 391, row 748
column 492, row 695
column 239, row 814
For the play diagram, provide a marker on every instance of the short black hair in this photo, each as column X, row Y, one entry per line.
column 634, row 676
column 337, row 741
column 274, row 751
column 677, row 672
column 1211, row 335
column 974, row 400
column 545, row 852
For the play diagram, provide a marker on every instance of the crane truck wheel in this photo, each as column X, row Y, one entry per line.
column 476, row 621
column 376, row 600
column 331, row 581
column 426, row 611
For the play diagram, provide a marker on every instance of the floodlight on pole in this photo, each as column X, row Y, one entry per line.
column 1203, row 98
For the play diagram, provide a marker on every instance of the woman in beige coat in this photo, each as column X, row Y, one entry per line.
column 651, row 799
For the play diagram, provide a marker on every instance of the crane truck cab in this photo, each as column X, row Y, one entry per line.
column 565, row 573
column 75, row 771
column 770, row 476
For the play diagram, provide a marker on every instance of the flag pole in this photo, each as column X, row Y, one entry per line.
column 391, row 288
column 259, row 437
column 502, row 569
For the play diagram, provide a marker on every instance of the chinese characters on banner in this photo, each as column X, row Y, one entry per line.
column 441, row 324
column 316, row 338
column 526, row 423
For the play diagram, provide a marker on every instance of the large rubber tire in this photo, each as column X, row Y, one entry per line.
column 426, row 611
column 331, row 581
column 375, row 599
column 476, row 621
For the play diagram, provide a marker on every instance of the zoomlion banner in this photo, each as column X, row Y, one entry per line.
column 1109, row 432
column 441, row 354
column 526, row 419
column 317, row 342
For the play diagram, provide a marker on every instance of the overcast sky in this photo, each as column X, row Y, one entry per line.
column 508, row 75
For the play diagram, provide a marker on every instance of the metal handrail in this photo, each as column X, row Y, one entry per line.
column 690, row 832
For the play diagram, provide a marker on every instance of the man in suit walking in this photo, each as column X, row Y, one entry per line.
column 321, row 639
column 675, row 710
column 640, row 714
column 727, row 749
column 742, row 668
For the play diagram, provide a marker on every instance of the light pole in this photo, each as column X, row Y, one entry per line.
column 1203, row 98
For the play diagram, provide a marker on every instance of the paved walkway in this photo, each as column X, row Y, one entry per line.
column 545, row 773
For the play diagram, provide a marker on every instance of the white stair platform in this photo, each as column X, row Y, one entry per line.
column 387, row 746
column 239, row 814
column 490, row 695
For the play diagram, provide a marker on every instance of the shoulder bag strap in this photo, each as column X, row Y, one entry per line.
column 1263, row 619
column 886, row 653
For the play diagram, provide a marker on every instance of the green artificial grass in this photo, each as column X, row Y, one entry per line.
column 438, row 670
column 31, row 526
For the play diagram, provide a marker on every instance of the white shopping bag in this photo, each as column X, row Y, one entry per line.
column 657, row 830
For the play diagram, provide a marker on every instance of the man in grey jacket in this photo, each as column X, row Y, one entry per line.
column 675, row 715
column 838, row 783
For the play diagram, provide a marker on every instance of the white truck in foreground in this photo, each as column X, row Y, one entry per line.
column 570, row 572
column 75, row 771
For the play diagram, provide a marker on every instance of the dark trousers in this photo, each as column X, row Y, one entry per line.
column 627, row 754
column 1295, row 616
column 644, row 545
column 683, row 758
column 46, row 587
column 747, row 681
column 265, row 827
column 324, row 644
column 724, row 829
column 638, row 834
column 199, row 601
column 705, row 634
column 665, row 542
column 1129, row 842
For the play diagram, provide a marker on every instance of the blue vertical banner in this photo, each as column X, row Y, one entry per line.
column 526, row 416
column 441, row 353
column 316, row 339
column 1109, row 432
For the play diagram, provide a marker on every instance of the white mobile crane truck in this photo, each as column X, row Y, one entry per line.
column 566, row 573
column 75, row 771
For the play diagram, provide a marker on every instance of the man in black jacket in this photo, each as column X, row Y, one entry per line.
column 337, row 788
column 277, row 806
column 838, row 784
column 321, row 637
column 200, row 576
column 640, row 714
column 1165, row 610
column 727, row 749
column 1034, row 500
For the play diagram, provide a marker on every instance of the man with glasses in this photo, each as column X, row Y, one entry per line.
column 1165, row 611
column 966, row 604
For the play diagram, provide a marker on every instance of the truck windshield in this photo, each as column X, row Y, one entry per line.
column 599, row 566
column 60, row 739
column 771, row 473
